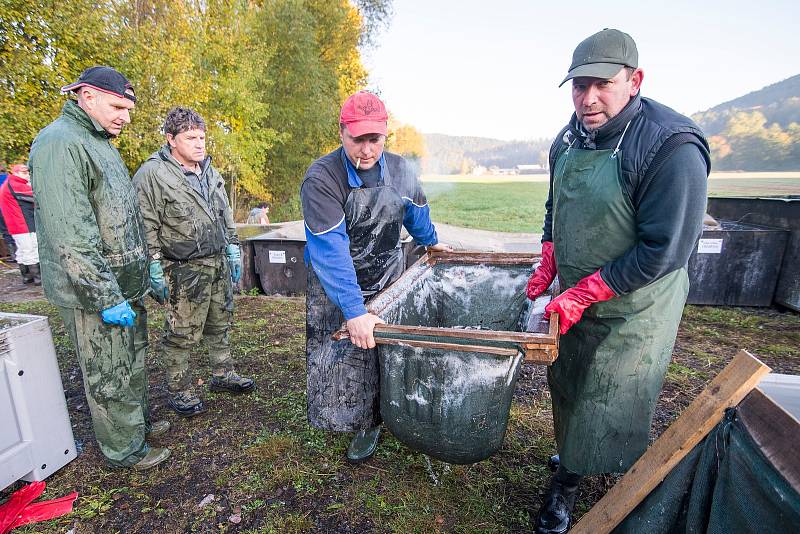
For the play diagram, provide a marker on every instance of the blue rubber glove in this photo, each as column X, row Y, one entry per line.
column 234, row 262
column 121, row 314
column 158, row 285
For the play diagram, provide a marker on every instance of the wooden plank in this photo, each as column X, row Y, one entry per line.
column 729, row 387
column 466, row 333
column 499, row 351
column 475, row 257
column 541, row 356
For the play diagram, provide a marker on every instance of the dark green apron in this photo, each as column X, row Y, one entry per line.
column 611, row 364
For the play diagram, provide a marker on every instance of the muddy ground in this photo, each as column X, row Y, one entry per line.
column 251, row 464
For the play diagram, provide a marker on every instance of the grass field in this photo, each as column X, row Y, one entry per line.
column 516, row 203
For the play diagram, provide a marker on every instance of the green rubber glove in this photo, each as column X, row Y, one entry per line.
column 234, row 262
column 158, row 285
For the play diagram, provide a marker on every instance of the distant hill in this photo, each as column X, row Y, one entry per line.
column 759, row 131
column 449, row 154
column 779, row 102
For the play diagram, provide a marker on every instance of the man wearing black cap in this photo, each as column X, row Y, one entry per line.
column 625, row 209
column 93, row 256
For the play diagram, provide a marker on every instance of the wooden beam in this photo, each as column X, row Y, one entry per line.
column 729, row 387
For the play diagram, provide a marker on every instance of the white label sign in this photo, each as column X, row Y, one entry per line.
column 277, row 256
column 709, row 246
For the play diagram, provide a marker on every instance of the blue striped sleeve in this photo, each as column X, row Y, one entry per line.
column 328, row 253
column 417, row 221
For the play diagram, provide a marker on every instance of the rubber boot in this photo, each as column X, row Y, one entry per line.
column 35, row 274
column 553, row 463
column 154, row 457
column 364, row 445
column 25, row 270
column 555, row 515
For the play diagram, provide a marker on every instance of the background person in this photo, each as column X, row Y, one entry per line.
column 259, row 214
column 192, row 239
column 17, row 206
column 94, row 260
column 355, row 201
column 625, row 210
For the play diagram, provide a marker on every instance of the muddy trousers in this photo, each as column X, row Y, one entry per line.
column 112, row 360
column 200, row 307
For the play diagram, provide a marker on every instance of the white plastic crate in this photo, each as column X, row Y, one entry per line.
column 35, row 432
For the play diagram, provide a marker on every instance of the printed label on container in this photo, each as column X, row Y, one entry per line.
column 709, row 246
column 279, row 256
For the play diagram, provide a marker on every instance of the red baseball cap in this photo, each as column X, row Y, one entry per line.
column 364, row 113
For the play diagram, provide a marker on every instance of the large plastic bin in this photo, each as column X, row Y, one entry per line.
column 736, row 265
column 35, row 432
column 776, row 212
column 459, row 327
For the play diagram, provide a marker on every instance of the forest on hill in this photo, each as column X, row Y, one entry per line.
column 759, row 131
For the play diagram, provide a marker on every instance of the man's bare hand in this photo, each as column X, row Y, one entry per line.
column 441, row 247
column 360, row 329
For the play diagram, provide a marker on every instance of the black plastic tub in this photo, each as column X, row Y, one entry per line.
column 279, row 265
column 776, row 212
column 736, row 265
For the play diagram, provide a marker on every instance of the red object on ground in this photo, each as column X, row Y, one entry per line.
column 544, row 274
column 571, row 303
column 18, row 510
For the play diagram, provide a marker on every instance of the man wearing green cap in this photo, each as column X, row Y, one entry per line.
column 625, row 209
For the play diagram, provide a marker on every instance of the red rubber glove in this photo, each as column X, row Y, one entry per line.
column 570, row 304
column 544, row 274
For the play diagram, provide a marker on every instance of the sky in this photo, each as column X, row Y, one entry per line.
column 491, row 68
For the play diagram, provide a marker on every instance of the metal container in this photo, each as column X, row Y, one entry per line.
column 736, row 265
column 35, row 432
column 777, row 212
column 278, row 263
column 459, row 325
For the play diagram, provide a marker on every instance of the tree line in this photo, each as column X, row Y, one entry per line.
column 268, row 76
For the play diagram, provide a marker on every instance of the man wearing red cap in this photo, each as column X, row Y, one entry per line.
column 355, row 201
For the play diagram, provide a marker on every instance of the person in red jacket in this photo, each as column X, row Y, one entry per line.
column 16, row 205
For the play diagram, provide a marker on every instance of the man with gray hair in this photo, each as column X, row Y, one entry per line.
column 93, row 258
column 193, row 243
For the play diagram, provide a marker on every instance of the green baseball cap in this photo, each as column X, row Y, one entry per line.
column 602, row 55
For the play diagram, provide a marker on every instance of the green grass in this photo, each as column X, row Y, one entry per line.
column 501, row 207
column 742, row 187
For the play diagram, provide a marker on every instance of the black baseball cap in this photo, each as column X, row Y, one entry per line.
column 603, row 55
column 105, row 79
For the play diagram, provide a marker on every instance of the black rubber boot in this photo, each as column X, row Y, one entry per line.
column 25, row 270
column 553, row 463
column 33, row 270
column 555, row 515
